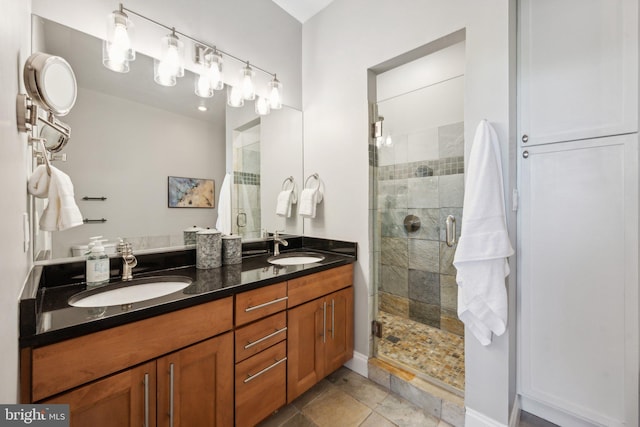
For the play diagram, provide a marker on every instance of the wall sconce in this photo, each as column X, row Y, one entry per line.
column 118, row 51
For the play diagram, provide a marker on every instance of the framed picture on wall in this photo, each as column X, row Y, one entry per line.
column 191, row 192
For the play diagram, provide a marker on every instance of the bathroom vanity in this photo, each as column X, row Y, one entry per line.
column 231, row 348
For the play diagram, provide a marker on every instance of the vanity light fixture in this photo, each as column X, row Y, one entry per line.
column 118, row 51
column 170, row 66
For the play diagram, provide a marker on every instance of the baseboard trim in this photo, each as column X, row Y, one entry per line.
column 514, row 419
column 359, row 364
column 476, row 419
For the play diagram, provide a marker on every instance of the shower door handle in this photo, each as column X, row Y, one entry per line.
column 451, row 230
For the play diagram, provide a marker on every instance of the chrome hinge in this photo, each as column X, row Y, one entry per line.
column 376, row 329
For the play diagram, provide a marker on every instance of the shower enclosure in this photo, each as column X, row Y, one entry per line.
column 418, row 186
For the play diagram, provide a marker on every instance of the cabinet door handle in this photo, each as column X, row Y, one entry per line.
column 333, row 319
column 146, row 400
column 171, row 395
column 257, row 374
column 255, row 307
column 258, row 341
column 324, row 322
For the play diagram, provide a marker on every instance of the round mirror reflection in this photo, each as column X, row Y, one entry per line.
column 50, row 82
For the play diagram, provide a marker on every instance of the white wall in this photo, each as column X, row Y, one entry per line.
column 254, row 30
column 339, row 45
column 124, row 150
column 14, row 262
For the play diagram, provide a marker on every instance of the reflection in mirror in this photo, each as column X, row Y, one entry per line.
column 130, row 135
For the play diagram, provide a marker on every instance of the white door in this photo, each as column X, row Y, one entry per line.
column 578, row 281
column 578, row 69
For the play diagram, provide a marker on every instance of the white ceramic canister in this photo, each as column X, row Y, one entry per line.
column 231, row 250
column 208, row 249
column 190, row 235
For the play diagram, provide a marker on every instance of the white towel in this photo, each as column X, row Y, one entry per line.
column 308, row 202
column 481, row 255
column 61, row 212
column 223, row 223
column 38, row 184
column 285, row 199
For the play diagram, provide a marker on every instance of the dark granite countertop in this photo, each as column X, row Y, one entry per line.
column 46, row 317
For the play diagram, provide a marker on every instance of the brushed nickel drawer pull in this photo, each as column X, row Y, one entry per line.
column 171, row 395
column 255, row 307
column 254, row 376
column 258, row 341
column 146, row 400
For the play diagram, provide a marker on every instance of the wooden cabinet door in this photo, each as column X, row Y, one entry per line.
column 195, row 385
column 578, row 69
column 305, row 344
column 339, row 341
column 124, row 399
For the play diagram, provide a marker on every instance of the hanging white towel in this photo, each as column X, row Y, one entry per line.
column 483, row 248
column 38, row 184
column 61, row 212
column 286, row 198
column 223, row 223
column 308, row 202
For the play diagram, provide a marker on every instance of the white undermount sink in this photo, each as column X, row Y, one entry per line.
column 128, row 292
column 295, row 258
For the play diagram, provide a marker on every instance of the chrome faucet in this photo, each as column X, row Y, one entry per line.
column 277, row 241
column 128, row 259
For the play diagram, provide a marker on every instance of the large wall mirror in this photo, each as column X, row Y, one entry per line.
column 128, row 135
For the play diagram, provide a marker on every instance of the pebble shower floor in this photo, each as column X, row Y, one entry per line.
column 427, row 351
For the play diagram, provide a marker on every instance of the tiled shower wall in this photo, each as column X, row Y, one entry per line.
column 416, row 276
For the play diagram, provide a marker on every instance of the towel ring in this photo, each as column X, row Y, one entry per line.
column 286, row 181
column 314, row 176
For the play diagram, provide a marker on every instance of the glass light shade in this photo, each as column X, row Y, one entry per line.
column 217, row 78
column 275, row 94
column 262, row 106
column 117, row 49
column 170, row 66
column 246, row 83
column 203, row 85
column 234, row 96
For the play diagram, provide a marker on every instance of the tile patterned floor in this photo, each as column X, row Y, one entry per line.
column 424, row 350
column 346, row 399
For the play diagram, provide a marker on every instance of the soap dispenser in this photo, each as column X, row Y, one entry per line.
column 97, row 265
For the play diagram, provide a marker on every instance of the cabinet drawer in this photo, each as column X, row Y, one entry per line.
column 67, row 364
column 259, row 303
column 254, row 338
column 261, row 385
column 314, row 286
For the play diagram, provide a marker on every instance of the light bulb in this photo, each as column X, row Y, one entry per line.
column 262, row 106
column 248, row 90
column 169, row 67
column 203, row 86
column 234, row 96
column 275, row 93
